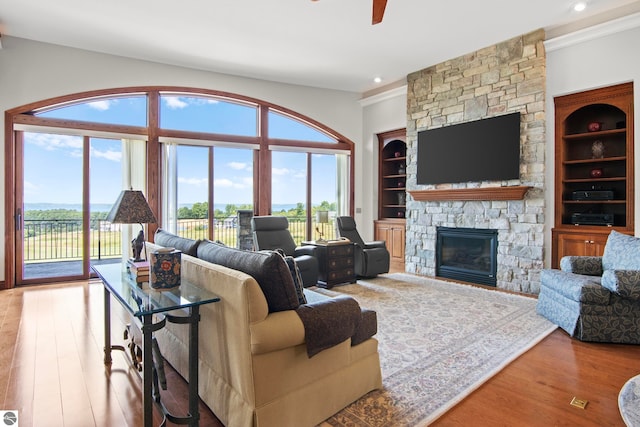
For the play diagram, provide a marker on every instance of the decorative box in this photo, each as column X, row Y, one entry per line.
column 164, row 269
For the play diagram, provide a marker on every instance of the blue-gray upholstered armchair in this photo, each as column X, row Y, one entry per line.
column 596, row 298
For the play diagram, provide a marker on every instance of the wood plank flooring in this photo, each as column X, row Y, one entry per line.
column 51, row 371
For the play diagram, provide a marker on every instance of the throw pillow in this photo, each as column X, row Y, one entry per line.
column 268, row 268
column 295, row 275
column 169, row 240
column 621, row 252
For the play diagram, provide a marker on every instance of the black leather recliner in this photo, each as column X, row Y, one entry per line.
column 372, row 258
column 272, row 232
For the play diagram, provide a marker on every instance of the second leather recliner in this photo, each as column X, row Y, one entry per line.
column 371, row 258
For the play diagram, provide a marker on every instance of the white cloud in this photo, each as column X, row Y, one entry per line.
column 237, row 165
column 54, row 142
column 100, row 105
column 238, row 184
column 280, row 171
column 115, row 156
column 223, row 182
column 192, row 181
column 174, row 102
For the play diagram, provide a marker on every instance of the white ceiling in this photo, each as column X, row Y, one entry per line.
column 325, row 43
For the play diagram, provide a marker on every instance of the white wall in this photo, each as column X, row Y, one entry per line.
column 32, row 71
column 603, row 55
column 381, row 113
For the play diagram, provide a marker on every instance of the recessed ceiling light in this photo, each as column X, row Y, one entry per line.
column 377, row 79
column 580, row 6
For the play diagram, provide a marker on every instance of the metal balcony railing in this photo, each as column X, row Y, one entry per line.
column 57, row 240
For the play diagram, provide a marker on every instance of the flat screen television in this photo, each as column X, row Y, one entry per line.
column 482, row 150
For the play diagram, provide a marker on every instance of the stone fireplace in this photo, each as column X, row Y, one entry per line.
column 500, row 79
column 467, row 254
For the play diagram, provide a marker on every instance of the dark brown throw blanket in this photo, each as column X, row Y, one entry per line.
column 329, row 322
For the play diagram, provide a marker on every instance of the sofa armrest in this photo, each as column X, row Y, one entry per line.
column 329, row 322
column 625, row 283
column 305, row 250
column 282, row 329
column 586, row 265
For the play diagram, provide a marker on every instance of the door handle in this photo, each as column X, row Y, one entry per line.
column 18, row 219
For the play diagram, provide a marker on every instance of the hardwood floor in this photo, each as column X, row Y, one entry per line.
column 51, row 371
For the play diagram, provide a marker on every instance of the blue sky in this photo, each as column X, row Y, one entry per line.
column 53, row 163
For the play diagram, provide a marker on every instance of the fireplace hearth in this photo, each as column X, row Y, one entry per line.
column 467, row 254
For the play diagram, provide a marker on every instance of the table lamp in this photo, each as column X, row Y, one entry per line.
column 322, row 217
column 130, row 208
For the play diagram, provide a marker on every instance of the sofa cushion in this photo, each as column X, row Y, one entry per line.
column 621, row 252
column 169, row 240
column 268, row 268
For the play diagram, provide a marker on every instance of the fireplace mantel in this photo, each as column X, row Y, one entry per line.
column 484, row 193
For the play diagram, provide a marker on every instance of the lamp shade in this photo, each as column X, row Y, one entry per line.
column 322, row 217
column 131, row 207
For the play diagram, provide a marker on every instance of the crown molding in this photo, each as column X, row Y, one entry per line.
column 597, row 31
column 393, row 93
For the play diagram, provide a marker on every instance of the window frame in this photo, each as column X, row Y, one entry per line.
column 24, row 117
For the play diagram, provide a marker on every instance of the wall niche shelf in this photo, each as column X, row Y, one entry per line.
column 594, row 151
column 468, row 194
column 392, row 197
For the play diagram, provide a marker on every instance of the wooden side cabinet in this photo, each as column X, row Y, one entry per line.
column 336, row 263
column 393, row 233
column 579, row 243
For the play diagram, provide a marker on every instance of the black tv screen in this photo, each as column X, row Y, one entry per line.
column 483, row 150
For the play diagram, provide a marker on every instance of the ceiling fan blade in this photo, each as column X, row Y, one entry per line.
column 378, row 11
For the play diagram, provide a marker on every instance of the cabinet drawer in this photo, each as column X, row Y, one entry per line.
column 339, row 263
column 339, row 250
column 345, row 274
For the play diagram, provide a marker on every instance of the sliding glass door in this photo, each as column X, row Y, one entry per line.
column 50, row 213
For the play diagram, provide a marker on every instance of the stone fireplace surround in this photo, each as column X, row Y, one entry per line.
column 496, row 80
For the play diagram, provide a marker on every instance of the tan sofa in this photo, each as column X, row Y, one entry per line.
column 254, row 369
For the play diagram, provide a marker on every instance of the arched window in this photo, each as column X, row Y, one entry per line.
column 199, row 156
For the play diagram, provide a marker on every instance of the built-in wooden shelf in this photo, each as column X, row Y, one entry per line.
column 485, row 193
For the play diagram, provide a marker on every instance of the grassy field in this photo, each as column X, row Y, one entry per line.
column 51, row 245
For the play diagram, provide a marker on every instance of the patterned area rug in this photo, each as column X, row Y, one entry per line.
column 438, row 341
column 629, row 402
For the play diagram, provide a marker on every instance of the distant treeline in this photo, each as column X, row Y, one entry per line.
column 196, row 211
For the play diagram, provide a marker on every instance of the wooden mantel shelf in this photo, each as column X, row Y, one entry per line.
column 485, row 193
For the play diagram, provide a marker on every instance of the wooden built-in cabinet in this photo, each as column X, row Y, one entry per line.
column 594, row 170
column 568, row 242
column 392, row 232
column 392, row 194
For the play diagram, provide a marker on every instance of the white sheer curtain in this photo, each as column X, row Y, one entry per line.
column 170, row 186
column 342, row 184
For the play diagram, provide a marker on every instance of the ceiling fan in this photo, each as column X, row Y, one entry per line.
column 378, row 11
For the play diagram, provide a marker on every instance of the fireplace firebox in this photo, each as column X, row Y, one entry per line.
column 467, row 254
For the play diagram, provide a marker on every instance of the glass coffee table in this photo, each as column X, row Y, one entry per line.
column 149, row 308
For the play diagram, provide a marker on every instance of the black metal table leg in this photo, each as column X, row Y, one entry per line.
column 193, row 365
column 147, row 370
column 107, row 326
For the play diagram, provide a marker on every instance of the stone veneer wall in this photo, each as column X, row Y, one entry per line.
column 496, row 80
